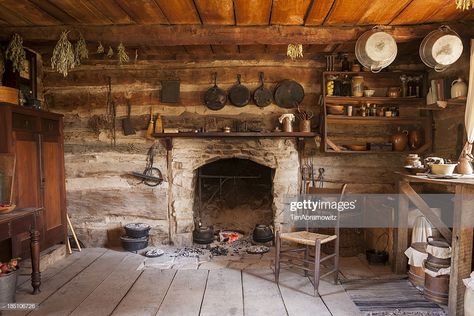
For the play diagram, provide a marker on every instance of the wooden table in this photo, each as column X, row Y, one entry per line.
column 461, row 235
column 17, row 223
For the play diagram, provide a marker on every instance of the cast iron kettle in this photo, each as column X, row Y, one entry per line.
column 215, row 98
column 239, row 94
column 203, row 234
column 262, row 233
column 262, row 96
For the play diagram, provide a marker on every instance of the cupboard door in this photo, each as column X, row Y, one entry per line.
column 53, row 190
column 27, row 170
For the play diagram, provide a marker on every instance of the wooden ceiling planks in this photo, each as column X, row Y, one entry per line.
column 216, row 12
column 318, row 12
column 143, row 11
column 111, row 10
column 347, row 12
column 54, row 11
column 382, row 12
column 289, row 12
column 420, row 11
column 30, row 12
column 179, row 11
column 82, row 11
column 251, row 12
column 449, row 13
column 12, row 18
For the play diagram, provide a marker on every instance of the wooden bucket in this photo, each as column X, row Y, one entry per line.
column 8, row 95
column 437, row 289
column 416, row 275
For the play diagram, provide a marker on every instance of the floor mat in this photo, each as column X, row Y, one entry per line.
column 390, row 297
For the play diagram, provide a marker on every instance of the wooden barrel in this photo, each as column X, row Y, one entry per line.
column 416, row 275
column 8, row 95
column 437, row 289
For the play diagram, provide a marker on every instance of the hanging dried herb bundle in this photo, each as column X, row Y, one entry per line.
column 82, row 52
column 110, row 52
column 294, row 51
column 100, row 48
column 63, row 58
column 464, row 4
column 122, row 55
column 2, row 65
column 16, row 53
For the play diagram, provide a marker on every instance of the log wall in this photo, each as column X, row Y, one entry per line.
column 102, row 196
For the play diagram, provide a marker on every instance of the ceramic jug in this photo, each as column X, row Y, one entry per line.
column 464, row 166
column 415, row 139
column 458, row 88
column 400, row 140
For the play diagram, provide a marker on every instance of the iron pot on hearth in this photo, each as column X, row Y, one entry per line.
column 203, row 235
column 262, row 233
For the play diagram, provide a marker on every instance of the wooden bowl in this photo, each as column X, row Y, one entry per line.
column 7, row 209
column 357, row 147
column 415, row 170
column 335, row 109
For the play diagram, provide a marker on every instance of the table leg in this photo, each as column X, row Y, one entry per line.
column 35, row 261
column 461, row 260
column 399, row 258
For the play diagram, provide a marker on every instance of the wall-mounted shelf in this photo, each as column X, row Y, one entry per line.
column 378, row 100
column 343, row 119
column 300, row 136
column 451, row 103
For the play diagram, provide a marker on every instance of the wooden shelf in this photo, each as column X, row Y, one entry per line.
column 234, row 134
column 344, row 119
column 378, row 100
column 300, row 136
column 451, row 103
column 369, row 73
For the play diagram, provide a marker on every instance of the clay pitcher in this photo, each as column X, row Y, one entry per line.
column 400, row 140
column 464, row 166
column 415, row 139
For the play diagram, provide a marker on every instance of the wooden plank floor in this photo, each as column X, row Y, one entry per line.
column 108, row 282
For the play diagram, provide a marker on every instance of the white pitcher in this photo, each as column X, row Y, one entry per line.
column 458, row 88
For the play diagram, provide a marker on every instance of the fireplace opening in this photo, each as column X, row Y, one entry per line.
column 234, row 194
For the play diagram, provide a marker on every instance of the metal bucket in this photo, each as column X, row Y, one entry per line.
column 437, row 289
column 8, row 287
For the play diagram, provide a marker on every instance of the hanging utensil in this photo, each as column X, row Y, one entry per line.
column 239, row 94
column 127, row 122
column 376, row 49
column 441, row 48
column 288, row 93
column 262, row 96
column 215, row 98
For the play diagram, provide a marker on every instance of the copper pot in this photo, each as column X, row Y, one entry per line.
column 415, row 139
column 400, row 140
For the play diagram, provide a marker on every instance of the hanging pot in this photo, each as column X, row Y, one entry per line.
column 262, row 96
column 376, row 49
column 239, row 94
column 288, row 94
column 441, row 48
column 215, row 98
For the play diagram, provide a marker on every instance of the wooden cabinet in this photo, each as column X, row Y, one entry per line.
column 36, row 139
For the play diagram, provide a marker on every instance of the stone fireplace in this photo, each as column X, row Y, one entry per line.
column 274, row 158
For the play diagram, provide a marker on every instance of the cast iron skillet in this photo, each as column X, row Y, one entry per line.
column 215, row 98
column 239, row 94
column 288, row 93
column 262, row 96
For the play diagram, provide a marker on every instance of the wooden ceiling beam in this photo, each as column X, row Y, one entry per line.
column 171, row 35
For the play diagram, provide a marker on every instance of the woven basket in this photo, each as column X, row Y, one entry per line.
column 8, row 95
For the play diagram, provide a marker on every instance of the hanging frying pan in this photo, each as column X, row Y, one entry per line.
column 239, row 94
column 288, row 93
column 215, row 98
column 262, row 96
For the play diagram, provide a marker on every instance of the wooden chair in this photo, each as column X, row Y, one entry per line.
column 309, row 239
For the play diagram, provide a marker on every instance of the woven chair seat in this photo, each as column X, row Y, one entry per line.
column 307, row 238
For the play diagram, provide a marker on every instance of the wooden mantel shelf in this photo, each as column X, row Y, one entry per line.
column 300, row 136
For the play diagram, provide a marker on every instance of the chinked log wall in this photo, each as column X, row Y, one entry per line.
column 102, row 196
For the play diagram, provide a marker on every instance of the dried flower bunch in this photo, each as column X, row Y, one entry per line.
column 122, row 55
column 100, row 48
column 294, row 51
column 81, row 52
column 464, row 4
column 10, row 266
column 16, row 53
column 63, row 58
column 110, row 52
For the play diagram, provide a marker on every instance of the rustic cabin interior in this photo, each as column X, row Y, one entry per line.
column 236, row 157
